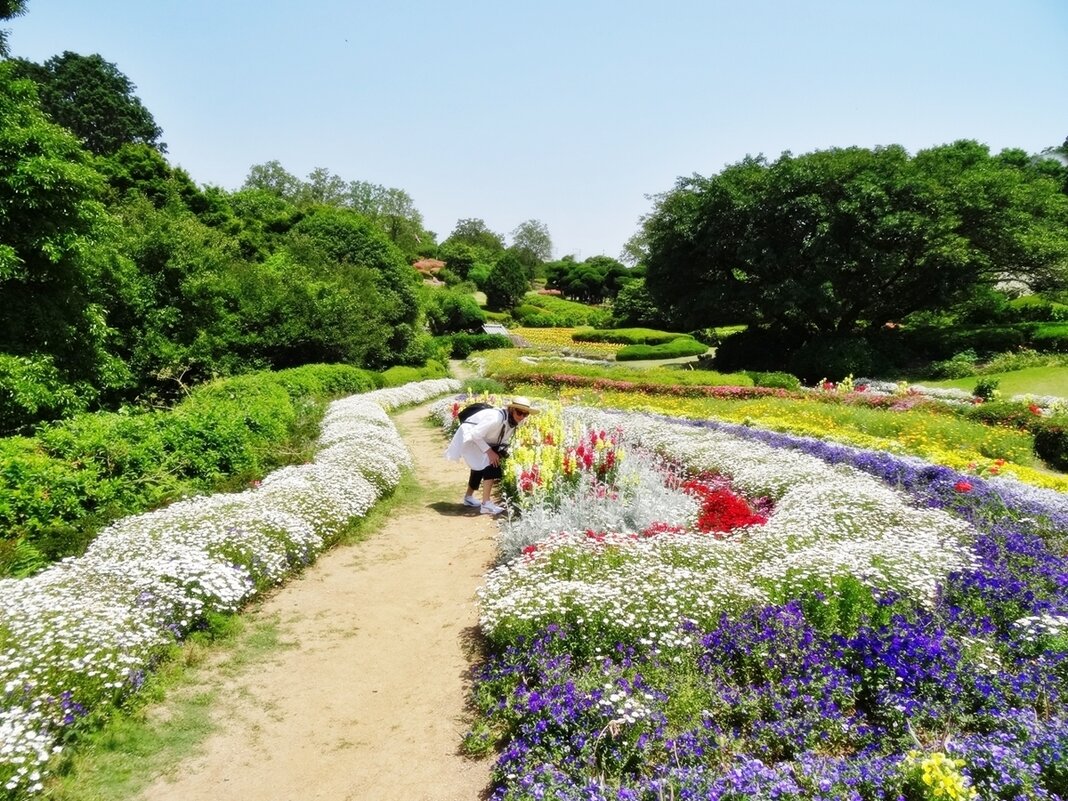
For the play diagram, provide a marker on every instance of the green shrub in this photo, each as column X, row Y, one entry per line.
column 1051, row 442
column 961, row 365
column 449, row 311
column 1002, row 413
column 535, row 317
column 628, row 336
column 31, row 390
column 460, row 346
column 1035, row 308
column 775, row 380
column 58, row 488
column 753, row 349
column 548, row 311
column 1021, row 360
column 328, row 380
column 941, row 343
column 399, row 376
column 674, row 349
column 1050, row 337
column 986, row 388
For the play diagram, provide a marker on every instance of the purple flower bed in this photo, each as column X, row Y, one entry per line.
column 823, row 697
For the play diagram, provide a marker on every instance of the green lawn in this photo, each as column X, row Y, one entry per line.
column 1032, row 381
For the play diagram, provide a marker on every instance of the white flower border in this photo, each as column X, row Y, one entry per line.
column 81, row 634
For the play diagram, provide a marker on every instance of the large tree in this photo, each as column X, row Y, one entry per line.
column 474, row 231
column 392, row 210
column 533, row 237
column 837, row 241
column 51, row 224
column 507, row 283
column 92, row 98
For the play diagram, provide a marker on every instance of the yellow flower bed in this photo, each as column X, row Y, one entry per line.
column 810, row 420
column 560, row 339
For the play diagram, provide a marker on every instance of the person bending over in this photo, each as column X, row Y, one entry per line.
column 482, row 442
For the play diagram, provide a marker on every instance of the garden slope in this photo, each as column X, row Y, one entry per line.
column 369, row 703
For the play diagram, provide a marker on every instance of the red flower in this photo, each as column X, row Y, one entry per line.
column 1033, row 408
column 962, row 486
column 530, row 550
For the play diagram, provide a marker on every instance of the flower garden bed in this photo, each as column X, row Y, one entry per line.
column 871, row 627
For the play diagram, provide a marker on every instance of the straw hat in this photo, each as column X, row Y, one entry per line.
column 522, row 403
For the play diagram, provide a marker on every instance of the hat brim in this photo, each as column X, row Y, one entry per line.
column 527, row 409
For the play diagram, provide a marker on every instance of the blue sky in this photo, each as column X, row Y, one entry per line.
column 569, row 112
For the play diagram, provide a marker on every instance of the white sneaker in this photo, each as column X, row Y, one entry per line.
column 470, row 501
column 490, row 508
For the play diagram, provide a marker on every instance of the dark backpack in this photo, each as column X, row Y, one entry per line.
column 471, row 409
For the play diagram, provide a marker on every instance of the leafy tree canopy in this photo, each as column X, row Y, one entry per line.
column 589, row 281
column 840, row 240
column 533, row 237
column 141, row 168
column 52, row 220
column 92, row 98
column 391, row 210
column 334, row 236
column 9, row 9
column 474, row 232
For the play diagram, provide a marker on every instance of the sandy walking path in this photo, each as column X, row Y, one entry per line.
column 370, row 701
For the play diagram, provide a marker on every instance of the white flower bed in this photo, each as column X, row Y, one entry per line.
column 82, row 633
column 1046, row 404
column 828, row 522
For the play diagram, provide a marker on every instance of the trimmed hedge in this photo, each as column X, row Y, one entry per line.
column 460, row 346
column 1050, row 337
column 1051, row 443
column 627, row 336
column 674, row 349
column 399, row 376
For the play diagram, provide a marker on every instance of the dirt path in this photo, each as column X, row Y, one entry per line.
column 369, row 703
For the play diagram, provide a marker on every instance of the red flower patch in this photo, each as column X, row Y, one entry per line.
column 721, row 509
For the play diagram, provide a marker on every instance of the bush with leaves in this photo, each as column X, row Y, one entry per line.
column 675, row 349
column 32, row 390
column 451, row 310
column 1051, row 442
column 59, row 487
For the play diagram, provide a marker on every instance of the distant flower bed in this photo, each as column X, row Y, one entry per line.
column 82, row 635
column 866, row 626
column 561, row 339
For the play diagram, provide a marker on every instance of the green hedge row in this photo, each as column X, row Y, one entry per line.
column 627, row 336
column 460, row 346
column 60, row 486
column 676, row 348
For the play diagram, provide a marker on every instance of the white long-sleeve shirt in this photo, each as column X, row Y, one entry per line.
column 475, row 436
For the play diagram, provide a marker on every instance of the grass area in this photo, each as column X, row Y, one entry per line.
column 1030, row 381
column 139, row 743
